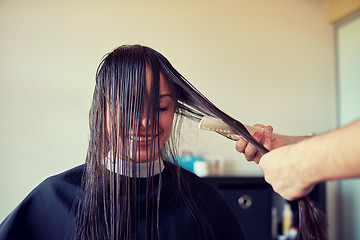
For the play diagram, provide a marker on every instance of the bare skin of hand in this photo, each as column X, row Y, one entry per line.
column 266, row 137
column 295, row 163
column 292, row 170
column 289, row 183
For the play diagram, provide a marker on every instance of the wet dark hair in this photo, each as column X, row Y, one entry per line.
column 107, row 207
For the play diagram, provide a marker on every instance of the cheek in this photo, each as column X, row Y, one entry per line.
column 165, row 123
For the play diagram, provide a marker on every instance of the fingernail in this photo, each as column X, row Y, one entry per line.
column 269, row 129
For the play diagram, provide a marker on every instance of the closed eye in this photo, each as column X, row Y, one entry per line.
column 163, row 109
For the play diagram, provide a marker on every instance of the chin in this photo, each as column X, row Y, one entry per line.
column 143, row 154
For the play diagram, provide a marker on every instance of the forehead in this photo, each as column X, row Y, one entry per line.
column 164, row 83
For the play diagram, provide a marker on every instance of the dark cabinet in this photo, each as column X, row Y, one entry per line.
column 252, row 200
column 251, row 207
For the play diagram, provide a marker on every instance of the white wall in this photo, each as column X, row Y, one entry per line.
column 260, row 61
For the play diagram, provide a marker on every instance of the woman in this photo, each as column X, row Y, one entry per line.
column 128, row 188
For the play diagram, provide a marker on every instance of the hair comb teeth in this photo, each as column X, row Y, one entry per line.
column 217, row 125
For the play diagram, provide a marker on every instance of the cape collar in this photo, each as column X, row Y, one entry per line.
column 142, row 169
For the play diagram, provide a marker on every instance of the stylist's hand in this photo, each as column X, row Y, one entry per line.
column 283, row 169
column 266, row 137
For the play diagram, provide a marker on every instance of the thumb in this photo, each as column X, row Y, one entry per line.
column 268, row 136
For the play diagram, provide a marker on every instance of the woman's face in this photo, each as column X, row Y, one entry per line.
column 166, row 116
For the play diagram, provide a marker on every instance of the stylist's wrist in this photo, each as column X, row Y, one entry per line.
column 303, row 164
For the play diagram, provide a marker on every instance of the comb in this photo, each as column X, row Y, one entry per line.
column 217, row 125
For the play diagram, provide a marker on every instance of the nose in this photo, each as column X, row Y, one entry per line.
column 145, row 119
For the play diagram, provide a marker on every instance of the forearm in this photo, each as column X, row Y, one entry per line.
column 333, row 155
column 287, row 140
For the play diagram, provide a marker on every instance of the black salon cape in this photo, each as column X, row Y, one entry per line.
column 48, row 212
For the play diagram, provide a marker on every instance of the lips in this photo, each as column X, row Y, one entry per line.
column 142, row 138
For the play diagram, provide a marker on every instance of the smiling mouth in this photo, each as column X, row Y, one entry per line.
column 142, row 139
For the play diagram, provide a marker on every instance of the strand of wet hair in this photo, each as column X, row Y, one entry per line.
column 195, row 99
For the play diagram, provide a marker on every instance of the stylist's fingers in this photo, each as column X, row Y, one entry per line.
column 250, row 151
column 268, row 137
column 241, row 144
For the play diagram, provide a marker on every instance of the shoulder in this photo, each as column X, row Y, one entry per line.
column 210, row 202
column 198, row 185
column 63, row 186
column 47, row 210
column 71, row 177
column 201, row 191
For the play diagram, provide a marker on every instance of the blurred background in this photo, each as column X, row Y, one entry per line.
column 271, row 62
